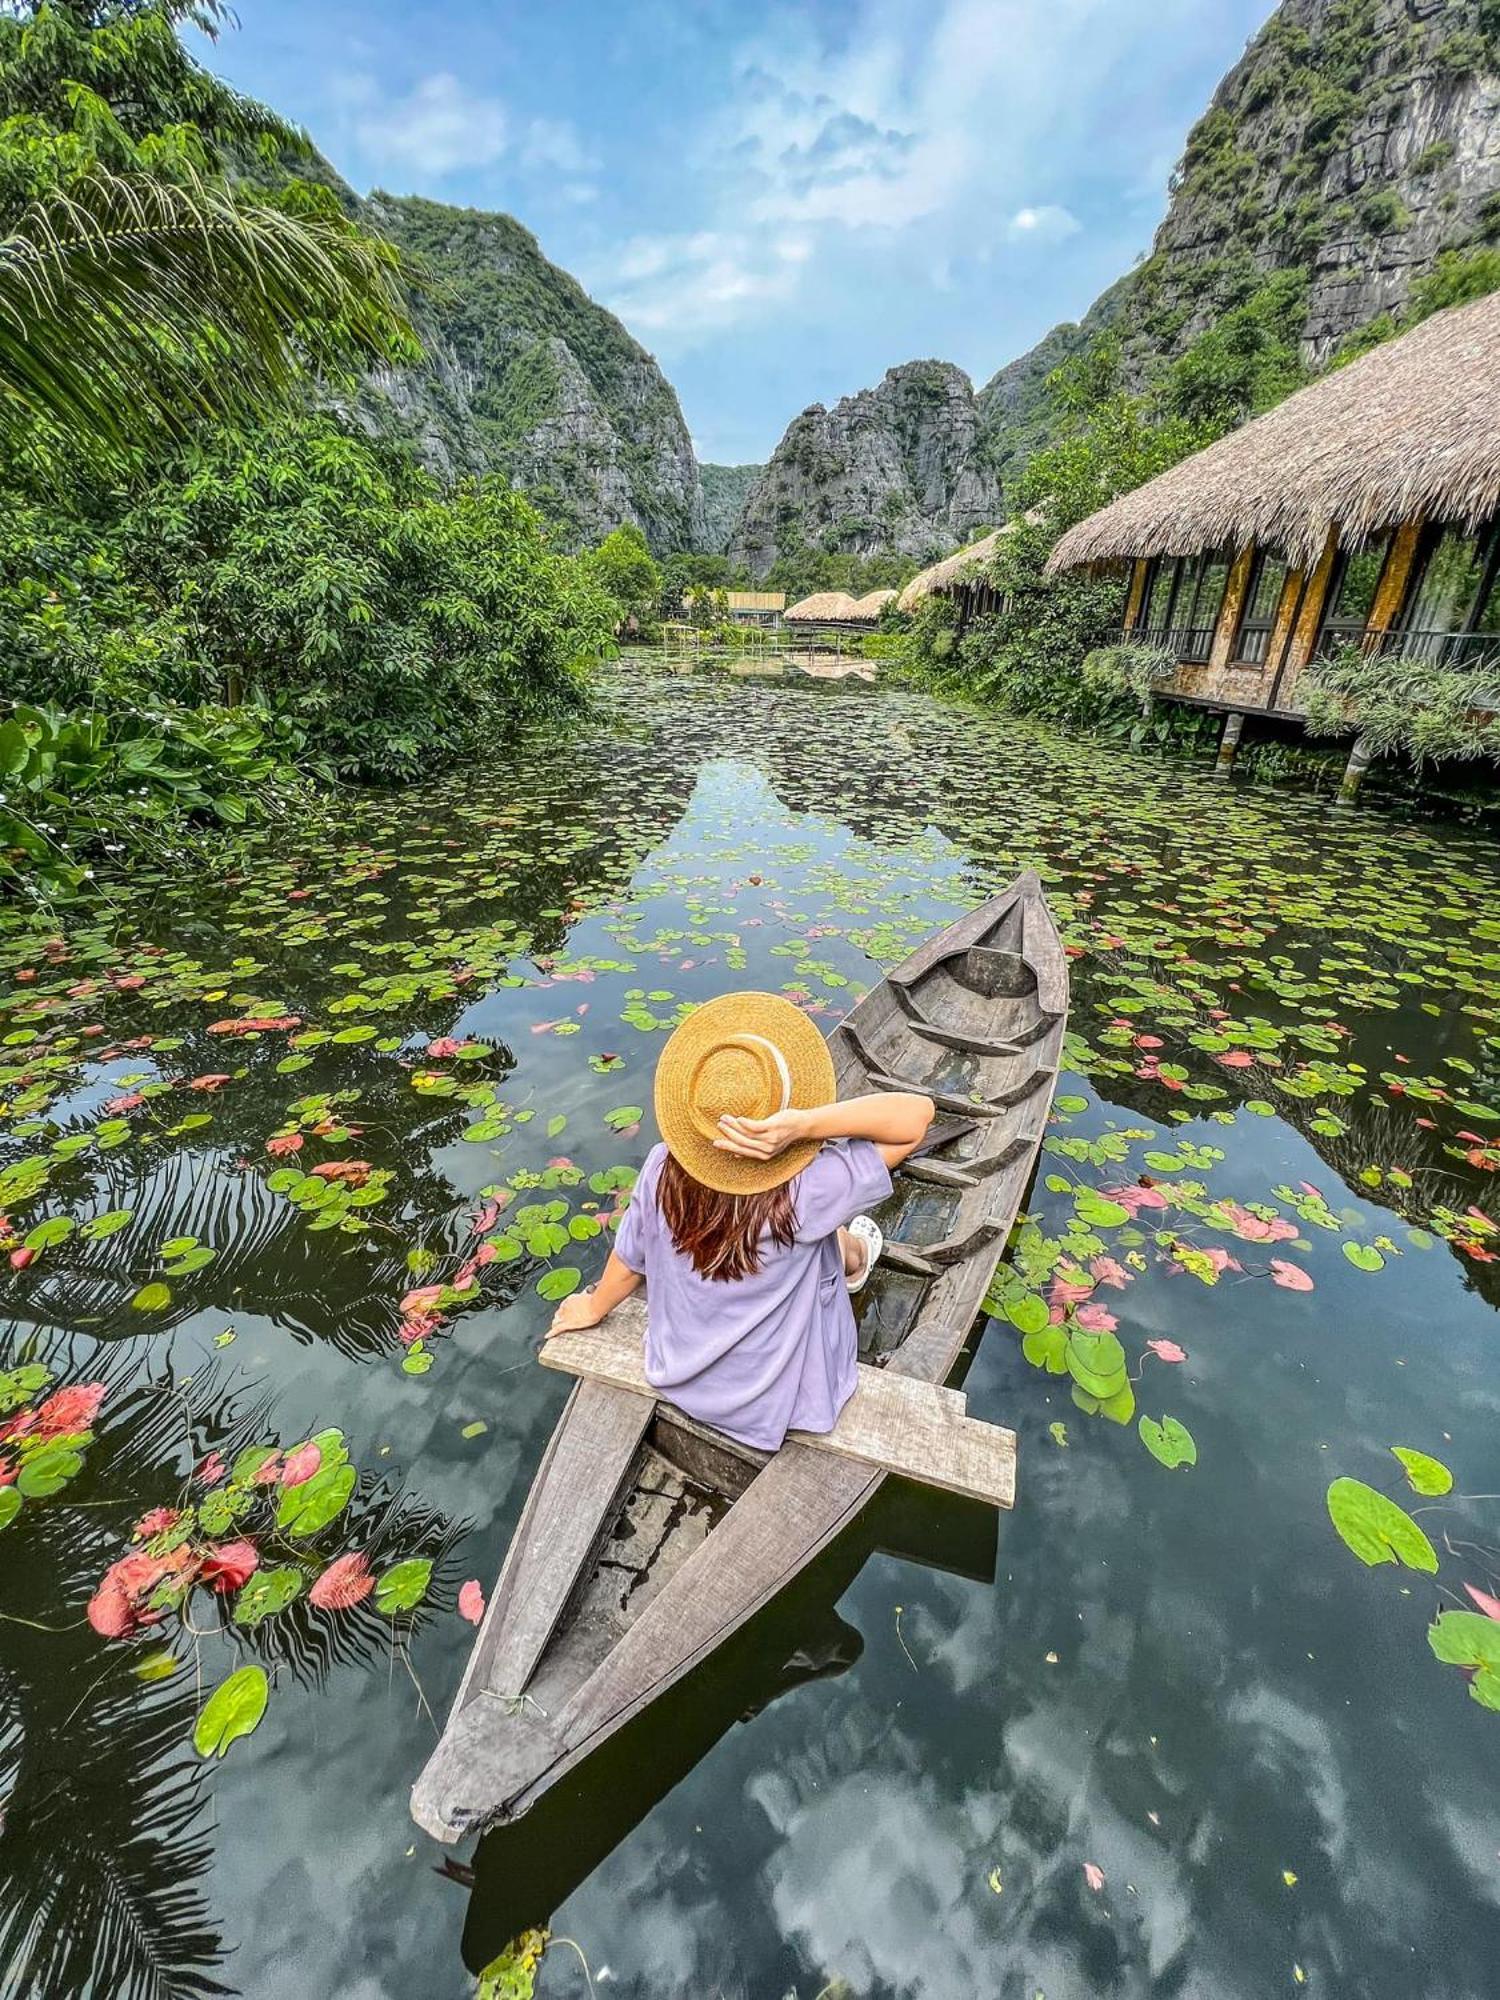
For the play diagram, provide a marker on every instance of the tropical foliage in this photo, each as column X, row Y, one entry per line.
column 204, row 587
column 1398, row 703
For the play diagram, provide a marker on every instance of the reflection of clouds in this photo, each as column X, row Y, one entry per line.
column 874, row 1879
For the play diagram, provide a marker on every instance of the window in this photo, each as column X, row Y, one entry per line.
column 1161, row 588
column 1181, row 604
column 1351, row 597
column 1258, row 619
column 1453, row 612
column 1199, row 598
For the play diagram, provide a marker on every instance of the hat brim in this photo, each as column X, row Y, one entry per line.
column 809, row 1065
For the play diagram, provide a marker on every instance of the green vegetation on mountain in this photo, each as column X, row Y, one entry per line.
column 530, row 378
column 1342, row 183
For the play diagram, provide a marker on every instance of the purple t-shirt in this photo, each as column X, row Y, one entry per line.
column 773, row 1352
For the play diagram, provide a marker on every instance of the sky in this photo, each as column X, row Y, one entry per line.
column 780, row 202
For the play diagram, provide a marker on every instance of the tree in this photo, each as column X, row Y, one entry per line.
column 625, row 570
column 145, row 281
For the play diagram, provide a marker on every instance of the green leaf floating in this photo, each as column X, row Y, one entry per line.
column 1364, row 1256
column 1169, row 1441
column 306, row 1508
column 152, row 1298
column 10, row 1505
column 559, row 1284
column 1096, row 1362
column 233, row 1710
column 265, row 1593
column 1427, row 1475
column 1377, row 1529
column 1092, row 1209
column 1028, row 1313
column 403, row 1586
column 47, row 1472
column 1047, row 1348
column 1469, row 1639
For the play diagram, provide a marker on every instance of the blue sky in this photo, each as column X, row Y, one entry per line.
column 780, row 202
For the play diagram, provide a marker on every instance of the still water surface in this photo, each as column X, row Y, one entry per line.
column 906, row 1781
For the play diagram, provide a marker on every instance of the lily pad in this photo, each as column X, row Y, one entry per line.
column 1469, row 1639
column 1170, row 1441
column 1364, row 1256
column 1377, row 1529
column 233, row 1710
column 267, row 1592
column 1426, row 1475
column 559, row 1284
column 403, row 1586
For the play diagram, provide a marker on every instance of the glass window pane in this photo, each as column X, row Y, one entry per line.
column 1447, row 587
column 1358, row 583
column 1265, row 594
column 1159, row 593
column 1487, row 618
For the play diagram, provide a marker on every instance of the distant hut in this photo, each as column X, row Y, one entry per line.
column 867, row 609
column 964, row 569
column 824, row 607
column 742, row 607
column 1364, row 508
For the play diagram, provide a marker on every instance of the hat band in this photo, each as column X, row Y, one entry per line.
column 781, row 1067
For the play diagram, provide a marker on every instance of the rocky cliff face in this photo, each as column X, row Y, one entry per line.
column 1353, row 145
column 726, row 488
column 527, row 376
column 897, row 468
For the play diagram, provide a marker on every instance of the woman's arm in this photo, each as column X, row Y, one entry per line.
column 614, row 1286
column 896, row 1121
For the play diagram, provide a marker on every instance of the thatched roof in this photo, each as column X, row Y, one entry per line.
column 1410, row 430
column 823, row 604
column 872, row 604
column 951, row 570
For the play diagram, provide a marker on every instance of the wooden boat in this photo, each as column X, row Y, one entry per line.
column 646, row 1539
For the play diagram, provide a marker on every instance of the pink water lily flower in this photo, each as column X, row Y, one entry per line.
column 1290, row 1277
column 1109, row 1271
column 1167, row 1350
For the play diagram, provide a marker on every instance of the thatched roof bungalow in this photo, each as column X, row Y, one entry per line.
column 959, row 568
column 1364, row 508
column 824, row 607
column 869, row 607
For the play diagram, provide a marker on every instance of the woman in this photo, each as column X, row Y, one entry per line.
column 745, row 1223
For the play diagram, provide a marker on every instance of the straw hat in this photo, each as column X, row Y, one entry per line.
column 745, row 1055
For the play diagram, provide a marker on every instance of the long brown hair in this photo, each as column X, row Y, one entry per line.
column 721, row 1233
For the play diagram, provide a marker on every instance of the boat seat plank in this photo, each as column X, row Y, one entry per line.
column 588, row 1466
column 891, row 1422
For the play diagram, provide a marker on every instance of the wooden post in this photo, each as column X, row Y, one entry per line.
column 1229, row 743
column 1361, row 757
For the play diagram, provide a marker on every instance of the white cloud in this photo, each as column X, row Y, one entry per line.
column 707, row 279
column 1047, row 224
column 438, row 127
column 909, row 148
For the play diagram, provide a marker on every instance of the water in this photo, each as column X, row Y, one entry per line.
column 902, row 1780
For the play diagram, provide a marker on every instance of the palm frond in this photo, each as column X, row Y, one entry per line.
column 131, row 308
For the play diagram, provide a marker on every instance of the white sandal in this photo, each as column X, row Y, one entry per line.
column 864, row 1229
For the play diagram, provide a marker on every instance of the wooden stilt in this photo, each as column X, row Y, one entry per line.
column 1229, row 743
column 1361, row 757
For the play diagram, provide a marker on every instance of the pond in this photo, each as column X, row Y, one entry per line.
column 1165, row 1729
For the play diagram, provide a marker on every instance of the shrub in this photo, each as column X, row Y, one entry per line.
column 1402, row 704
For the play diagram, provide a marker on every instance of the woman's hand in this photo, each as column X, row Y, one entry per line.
column 761, row 1138
column 579, row 1310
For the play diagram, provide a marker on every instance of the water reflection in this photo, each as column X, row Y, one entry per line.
column 1181, row 1678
